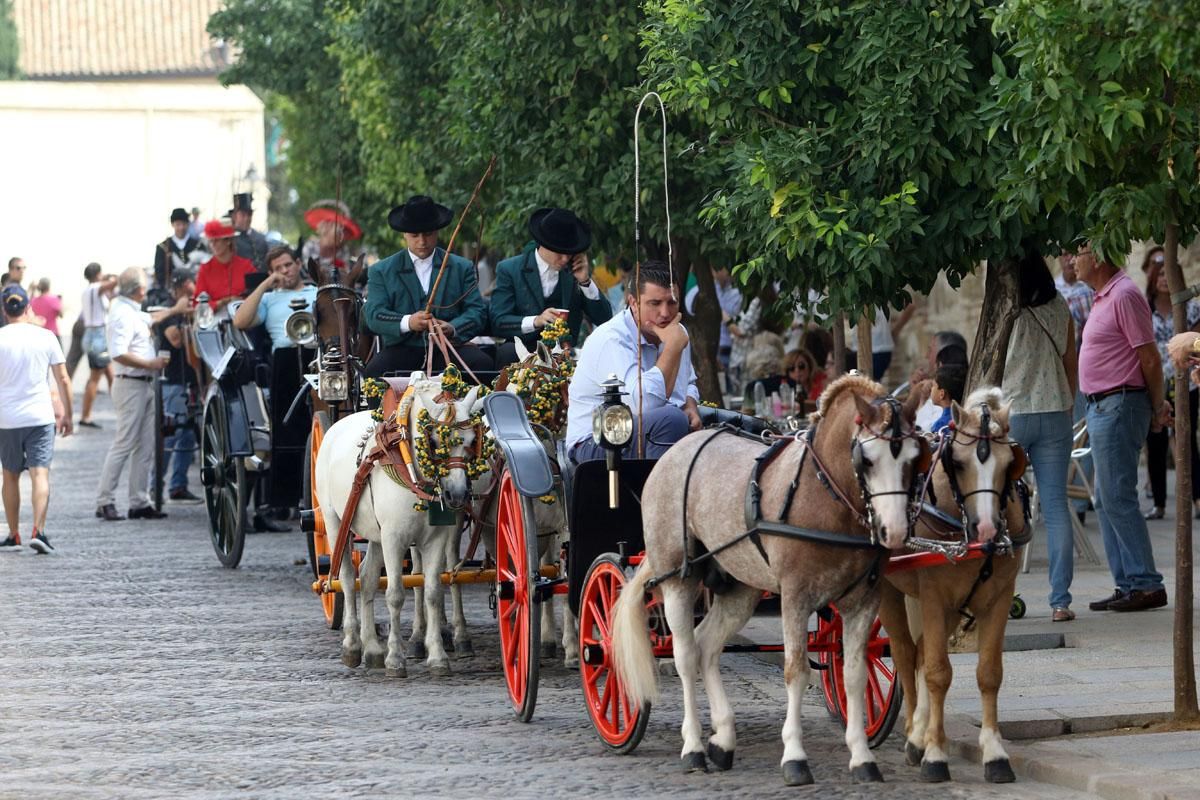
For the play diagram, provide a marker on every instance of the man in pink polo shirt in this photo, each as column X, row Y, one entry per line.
column 1120, row 374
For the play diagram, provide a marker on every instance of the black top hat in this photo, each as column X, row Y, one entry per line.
column 560, row 230
column 419, row 214
column 180, row 215
column 243, row 201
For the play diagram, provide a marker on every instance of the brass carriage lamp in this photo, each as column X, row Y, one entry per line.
column 301, row 325
column 332, row 385
column 612, row 428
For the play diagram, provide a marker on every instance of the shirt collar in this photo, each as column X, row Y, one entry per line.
column 543, row 265
column 179, row 243
column 421, row 263
column 1113, row 281
column 632, row 334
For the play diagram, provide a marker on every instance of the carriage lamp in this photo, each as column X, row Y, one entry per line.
column 301, row 326
column 205, row 318
column 612, row 428
column 332, row 385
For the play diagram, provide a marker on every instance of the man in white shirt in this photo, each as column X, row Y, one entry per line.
column 29, row 413
column 131, row 345
column 94, row 313
column 668, row 397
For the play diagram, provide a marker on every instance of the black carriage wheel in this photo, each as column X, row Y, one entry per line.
column 517, row 612
column 160, row 458
column 619, row 723
column 333, row 604
column 226, row 488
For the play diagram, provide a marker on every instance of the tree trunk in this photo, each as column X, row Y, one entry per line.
column 1001, row 301
column 839, row 346
column 705, row 332
column 865, row 364
column 1185, row 666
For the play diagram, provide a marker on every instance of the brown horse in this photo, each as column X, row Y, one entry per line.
column 973, row 480
column 692, row 505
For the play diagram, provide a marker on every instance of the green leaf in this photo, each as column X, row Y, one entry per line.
column 1051, row 87
column 1135, row 117
column 1111, row 86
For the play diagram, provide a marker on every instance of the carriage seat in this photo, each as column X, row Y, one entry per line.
column 710, row 416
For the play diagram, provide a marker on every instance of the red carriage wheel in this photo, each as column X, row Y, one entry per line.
column 619, row 722
column 883, row 692
column 516, row 583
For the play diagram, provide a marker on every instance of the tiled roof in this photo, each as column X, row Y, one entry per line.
column 82, row 39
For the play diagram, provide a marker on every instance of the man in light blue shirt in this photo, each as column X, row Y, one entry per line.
column 668, row 396
column 270, row 303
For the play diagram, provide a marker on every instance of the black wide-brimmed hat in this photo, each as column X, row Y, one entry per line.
column 243, row 201
column 560, row 230
column 419, row 214
column 180, row 215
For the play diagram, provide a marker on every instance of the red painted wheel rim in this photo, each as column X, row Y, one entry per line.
column 881, row 678
column 613, row 714
column 514, row 614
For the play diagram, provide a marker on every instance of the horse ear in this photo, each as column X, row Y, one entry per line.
column 314, row 271
column 469, row 402
column 543, row 353
column 866, row 411
column 355, row 272
column 522, row 351
column 956, row 412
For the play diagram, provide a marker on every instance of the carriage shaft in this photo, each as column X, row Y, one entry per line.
column 418, row 579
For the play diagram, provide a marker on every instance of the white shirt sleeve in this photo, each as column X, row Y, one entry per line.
column 591, row 291
column 527, row 324
column 404, row 324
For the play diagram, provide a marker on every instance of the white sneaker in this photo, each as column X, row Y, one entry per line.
column 40, row 544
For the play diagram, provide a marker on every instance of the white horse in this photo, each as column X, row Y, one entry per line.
column 551, row 522
column 386, row 518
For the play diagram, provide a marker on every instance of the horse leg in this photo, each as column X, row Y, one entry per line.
column 728, row 614
column 795, row 676
column 416, row 642
column 570, row 638
column 461, row 637
column 351, row 639
column 432, row 555
column 369, row 577
column 393, row 557
column 549, row 634
column 856, row 626
column 989, row 674
column 678, row 600
column 936, row 623
column 904, row 657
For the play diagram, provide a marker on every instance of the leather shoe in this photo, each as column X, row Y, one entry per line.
column 1140, row 601
column 146, row 512
column 109, row 513
column 263, row 524
column 1103, row 605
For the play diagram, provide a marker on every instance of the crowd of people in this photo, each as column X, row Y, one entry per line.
column 1085, row 345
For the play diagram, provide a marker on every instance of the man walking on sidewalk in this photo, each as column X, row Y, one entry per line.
column 131, row 346
column 1120, row 374
column 28, row 414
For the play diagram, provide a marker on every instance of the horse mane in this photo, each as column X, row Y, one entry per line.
column 993, row 398
column 858, row 384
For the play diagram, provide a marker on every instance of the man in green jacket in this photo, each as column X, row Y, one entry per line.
column 398, row 290
column 546, row 282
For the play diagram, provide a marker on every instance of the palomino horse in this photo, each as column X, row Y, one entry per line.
column 863, row 441
column 540, row 380
column 387, row 518
column 973, row 480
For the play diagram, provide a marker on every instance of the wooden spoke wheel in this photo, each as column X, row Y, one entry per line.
column 226, row 487
column 333, row 603
column 619, row 722
column 883, row 692
column 516, row 587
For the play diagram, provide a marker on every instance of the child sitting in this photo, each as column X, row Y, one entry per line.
column 948, row 384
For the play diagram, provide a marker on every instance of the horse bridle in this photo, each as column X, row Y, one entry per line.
column 457, row 462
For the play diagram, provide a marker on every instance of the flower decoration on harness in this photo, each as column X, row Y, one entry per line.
column 436, row 438
column 543, row 391
column 372, row 391
column 555, row 332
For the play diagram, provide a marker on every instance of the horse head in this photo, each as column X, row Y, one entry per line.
column 447, row 432
column 980, row 463
column 886, row 454
column 540, row 379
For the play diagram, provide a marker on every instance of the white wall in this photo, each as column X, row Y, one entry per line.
column 91, row 171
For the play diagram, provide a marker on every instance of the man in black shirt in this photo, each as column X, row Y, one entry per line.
column 178, row 386
column 174, row 253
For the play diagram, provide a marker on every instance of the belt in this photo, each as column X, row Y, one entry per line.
column 1096, row 397
column 146, row 378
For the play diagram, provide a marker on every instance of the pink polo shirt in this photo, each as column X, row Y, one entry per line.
column 1119, row 323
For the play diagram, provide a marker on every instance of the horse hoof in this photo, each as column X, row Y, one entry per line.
column 797, row 773
column 549, row 650
column 464, row 648
column 416, row 651
column 439, row 669
column 866, row 773
column 694, row 762
column 913, row 755
column 935, row 771
column 352, row 658
column 397, row 672
column 571, row 663
column 721, row 759
column 374, row 660
column 998, row 771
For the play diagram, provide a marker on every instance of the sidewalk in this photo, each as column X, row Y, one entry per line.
column 1077, row 695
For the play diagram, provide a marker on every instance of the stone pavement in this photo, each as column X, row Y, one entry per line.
column 133, row 666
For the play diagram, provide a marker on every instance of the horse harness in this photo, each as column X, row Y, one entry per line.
column 757, row 526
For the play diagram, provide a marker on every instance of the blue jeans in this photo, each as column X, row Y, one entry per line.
column 178, row 450
column 1046, row 438
column 665, row 426
column 1117, row 426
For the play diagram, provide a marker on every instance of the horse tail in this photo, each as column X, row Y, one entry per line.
column 633, row 655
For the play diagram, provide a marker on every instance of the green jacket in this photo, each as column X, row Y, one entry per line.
column 392, row 286
column 518, row 294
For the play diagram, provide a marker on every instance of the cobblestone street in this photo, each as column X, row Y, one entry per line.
column 132, row 665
